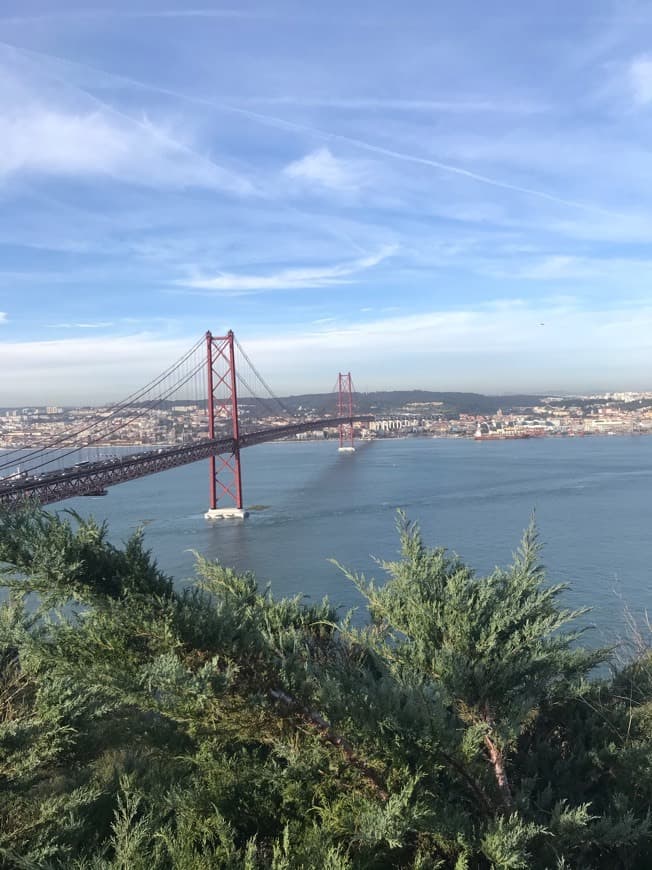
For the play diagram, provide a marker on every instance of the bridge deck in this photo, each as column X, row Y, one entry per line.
column 97, row 476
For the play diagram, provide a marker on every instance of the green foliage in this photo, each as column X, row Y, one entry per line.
column 463, row 727
column 64, row 563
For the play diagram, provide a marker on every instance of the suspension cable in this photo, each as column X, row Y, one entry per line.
column 131, row 400
column 162, row 399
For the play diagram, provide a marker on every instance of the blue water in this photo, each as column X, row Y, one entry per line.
column 592, row 497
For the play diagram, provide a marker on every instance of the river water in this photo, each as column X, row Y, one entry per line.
column 592, row 497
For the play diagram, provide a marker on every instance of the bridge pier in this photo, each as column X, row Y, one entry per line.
column 345, row 408
column 224, row 473
column 229, row 513
column 221, row 448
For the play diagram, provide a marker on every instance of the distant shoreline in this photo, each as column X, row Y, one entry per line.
column 420, row 435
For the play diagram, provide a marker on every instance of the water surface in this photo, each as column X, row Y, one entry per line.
column 591, row 497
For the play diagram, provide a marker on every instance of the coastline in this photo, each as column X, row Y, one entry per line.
column 538, row 436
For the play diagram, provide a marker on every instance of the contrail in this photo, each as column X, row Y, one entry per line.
column 325, row 135
column 101, row 14
column 229, row 179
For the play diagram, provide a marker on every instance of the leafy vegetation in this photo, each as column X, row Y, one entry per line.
column 146, row 727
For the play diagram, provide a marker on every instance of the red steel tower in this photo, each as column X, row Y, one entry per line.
column 225, row 481
column 345, row 409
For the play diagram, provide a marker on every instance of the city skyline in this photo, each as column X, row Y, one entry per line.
column 430, row 198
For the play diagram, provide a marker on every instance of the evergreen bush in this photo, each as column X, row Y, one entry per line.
column 463, row 727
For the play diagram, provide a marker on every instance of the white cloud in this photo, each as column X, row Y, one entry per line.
column 559, row 267
column 3, row 316
column 97, row 325
column 322, row 168
column 635, row 227
column 461, row 106
column 194, row 13
column 83, row 370
column 290, row 279
column 113, row 14
column 640, row 79
column 502, row 346
column 552, row 268
column 403, row 156
column 394, row 154
column 36, row 139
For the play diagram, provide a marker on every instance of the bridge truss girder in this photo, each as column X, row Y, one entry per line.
column 97, row 476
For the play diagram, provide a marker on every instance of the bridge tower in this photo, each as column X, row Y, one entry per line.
column 225, row 479
column 345, row 409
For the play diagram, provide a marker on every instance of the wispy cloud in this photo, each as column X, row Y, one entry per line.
column 36, row 139
column 289, row 279
column 475, row 348
column 620, row 272
column 194, row 13
column 67, row 371
column 321, row 168
column 127, row 14
column 640, row 79
column 322, row 154
column 409, row 157
column 332, row 136
column 3, row 316
column 454, row 107
column 551, row 268
column 98, row 325
column 50, row 124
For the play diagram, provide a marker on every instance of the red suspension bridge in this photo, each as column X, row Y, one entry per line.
column 215, row 371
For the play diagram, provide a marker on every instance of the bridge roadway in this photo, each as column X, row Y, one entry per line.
column 94, row 477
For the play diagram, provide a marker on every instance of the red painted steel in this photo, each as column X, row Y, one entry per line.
column 212, row 494
column 237, row 476
column 222, row 447
column 225, row 477
column 345, row 408
column 70, row 482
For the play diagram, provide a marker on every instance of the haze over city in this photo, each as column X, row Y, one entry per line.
column 427, row 199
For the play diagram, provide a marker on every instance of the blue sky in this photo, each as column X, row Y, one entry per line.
column 425, row 194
